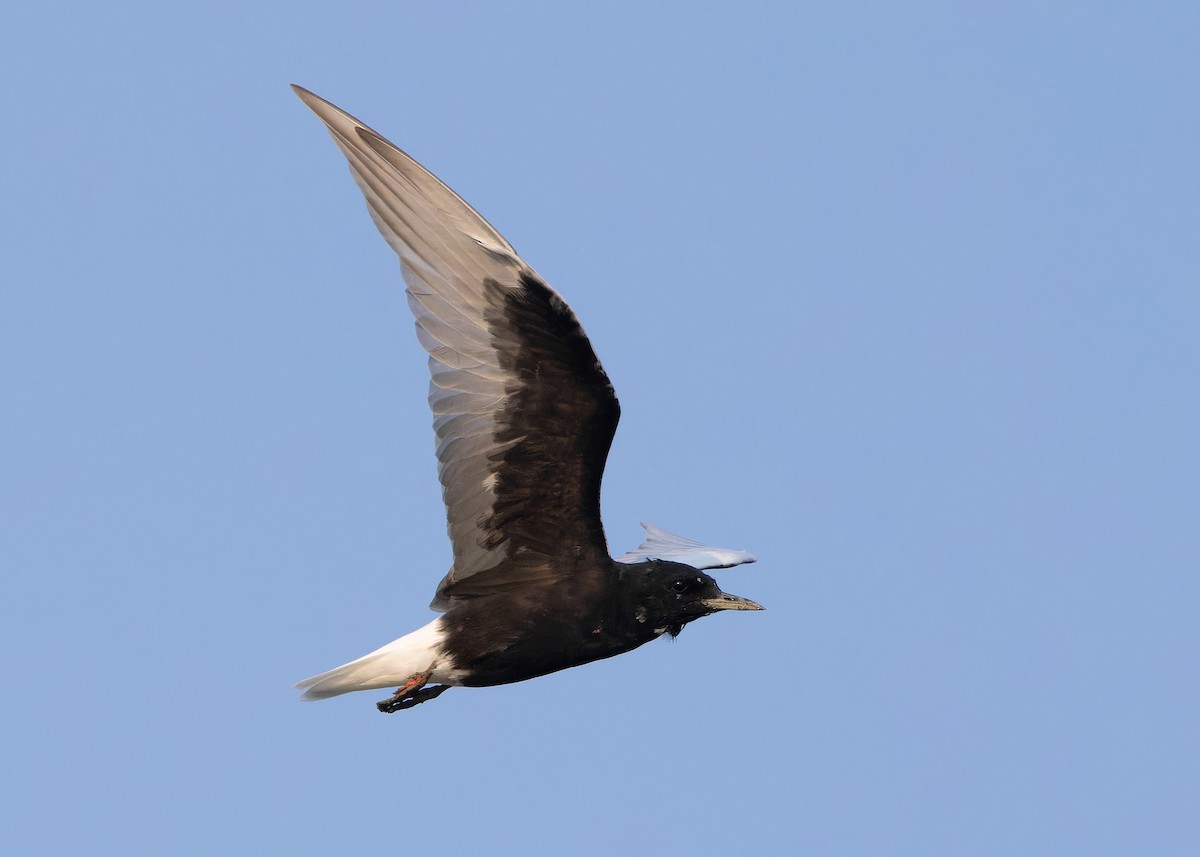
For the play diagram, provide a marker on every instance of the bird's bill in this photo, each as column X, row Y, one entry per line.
column 725, row 601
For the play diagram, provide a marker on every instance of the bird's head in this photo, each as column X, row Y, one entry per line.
column 665, row 596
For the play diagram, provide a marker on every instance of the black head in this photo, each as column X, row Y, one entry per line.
column 665, row 596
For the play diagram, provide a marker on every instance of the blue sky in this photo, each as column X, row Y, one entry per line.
column 903, row 298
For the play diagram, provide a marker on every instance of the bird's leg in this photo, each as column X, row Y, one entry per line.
column 412, row 692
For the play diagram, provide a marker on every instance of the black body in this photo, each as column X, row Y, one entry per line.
column 524, row 416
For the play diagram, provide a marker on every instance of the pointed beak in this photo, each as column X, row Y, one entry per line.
column 725, row 601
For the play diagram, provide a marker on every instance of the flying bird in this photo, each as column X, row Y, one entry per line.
column 524, row 416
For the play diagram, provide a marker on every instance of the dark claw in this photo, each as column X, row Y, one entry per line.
column 411, row 698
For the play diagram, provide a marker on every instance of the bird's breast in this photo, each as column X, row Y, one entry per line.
column 499, row 647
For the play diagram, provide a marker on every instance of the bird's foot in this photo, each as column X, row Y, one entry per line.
column 412, row 692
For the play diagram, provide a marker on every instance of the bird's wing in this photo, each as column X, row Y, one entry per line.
column 660, row 544
column 523, row 411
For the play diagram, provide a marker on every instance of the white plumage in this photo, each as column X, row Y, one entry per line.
column 389, row 666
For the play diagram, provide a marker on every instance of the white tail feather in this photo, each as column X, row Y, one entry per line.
column 389, row 666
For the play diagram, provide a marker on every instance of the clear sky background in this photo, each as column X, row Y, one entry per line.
column 902, row 297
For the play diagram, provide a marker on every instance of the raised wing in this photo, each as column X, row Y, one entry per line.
column 523, row 411
column 660, row 544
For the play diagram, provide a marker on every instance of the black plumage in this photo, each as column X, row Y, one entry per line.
column 524, row 416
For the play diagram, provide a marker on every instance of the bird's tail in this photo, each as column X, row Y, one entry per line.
column 389, row 666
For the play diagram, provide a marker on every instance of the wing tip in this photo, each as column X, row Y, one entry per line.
column 308, row 96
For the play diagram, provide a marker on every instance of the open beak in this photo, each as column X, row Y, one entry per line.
column 725, row 601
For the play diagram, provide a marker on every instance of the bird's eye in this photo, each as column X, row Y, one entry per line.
column 680, row 585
